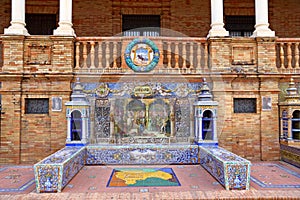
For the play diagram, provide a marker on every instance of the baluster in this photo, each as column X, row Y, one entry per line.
column 205, row 56
column 92, row 55
column 184, row 44
column 115, row 54
column 169, row 55
column 84, row 52
column 107, row 52
column 100, row 55
column 190, row 56
column 281, row 55
column 289, row 55
column 176, row 53
column 198, row 56
column 77, row 57
column 111, row 55
column 297, row 55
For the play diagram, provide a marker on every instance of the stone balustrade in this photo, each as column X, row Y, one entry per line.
column 232, row 171
column 105, row 54
column 53, row 173
column 287, row 55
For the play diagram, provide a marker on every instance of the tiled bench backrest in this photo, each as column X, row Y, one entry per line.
column 54, row 172
column 142, row 154
column 232, row 171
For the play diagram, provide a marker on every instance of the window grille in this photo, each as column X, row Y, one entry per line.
column 36, row 106
column 244, row 105
column 240, row 26
column 141, row 25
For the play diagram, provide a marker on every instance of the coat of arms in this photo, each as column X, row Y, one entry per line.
column 141, row 55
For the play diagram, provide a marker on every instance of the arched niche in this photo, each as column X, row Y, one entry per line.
column 207, row 125
column 76, row 126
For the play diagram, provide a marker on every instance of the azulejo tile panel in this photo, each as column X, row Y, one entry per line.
column 143, row 154
column 55, row 171
column 232, row 171
column 290, row 155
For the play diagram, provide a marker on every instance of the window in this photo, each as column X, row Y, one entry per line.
column 285, row 124
column 240, row 26
column 244, row 105
column 141, row 25
column 40, row 24
column 207, row 125
column 296, row 125
column 76, row 126
column 36, row 106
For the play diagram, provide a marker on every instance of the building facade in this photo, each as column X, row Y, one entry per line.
column 247, row 51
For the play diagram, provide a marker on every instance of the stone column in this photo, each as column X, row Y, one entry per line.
column 68, row 129
column 17, row 26
column 65, row 19
column 215, row 135
column 217, row 24
column 261, row 18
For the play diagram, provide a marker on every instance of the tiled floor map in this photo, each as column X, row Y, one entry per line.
column 141, row 177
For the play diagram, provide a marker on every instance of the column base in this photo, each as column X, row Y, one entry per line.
column 218, row 33
column 64, row 31
column 15, row 30
column 263, row 33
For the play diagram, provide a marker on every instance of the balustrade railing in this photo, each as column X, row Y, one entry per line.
column 106, row 54
column 287, row 55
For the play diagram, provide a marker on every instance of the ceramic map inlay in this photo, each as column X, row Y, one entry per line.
column 135, row 177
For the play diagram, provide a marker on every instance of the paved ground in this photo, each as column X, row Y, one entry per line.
column 269, row 180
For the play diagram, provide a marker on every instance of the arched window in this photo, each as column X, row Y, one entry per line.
column 296, row 125
column 285, row 127
column 207, row 125
column 76, row 126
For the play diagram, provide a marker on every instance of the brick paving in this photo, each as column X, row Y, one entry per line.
column 270, row 180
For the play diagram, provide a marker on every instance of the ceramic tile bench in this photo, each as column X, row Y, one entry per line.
column 232, row 171
column 53, row 173
column 142, row 154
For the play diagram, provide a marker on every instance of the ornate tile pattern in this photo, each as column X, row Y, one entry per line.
column 232, row 171
column 54, row 172
column 143, row 154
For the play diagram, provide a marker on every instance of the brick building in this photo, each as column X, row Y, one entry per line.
column 247, row 51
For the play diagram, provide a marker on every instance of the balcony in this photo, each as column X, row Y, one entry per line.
column 106, row 55
column 178, row 55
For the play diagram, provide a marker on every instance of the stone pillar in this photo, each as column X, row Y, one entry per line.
column 217, row 25
column 261, row 18
column 68, row 129
column 65, row 19
column 17, row 26
column 215, row 135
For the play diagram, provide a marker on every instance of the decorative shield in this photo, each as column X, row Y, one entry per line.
column 141, row 55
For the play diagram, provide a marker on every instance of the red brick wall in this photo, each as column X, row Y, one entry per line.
column 284, row 17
